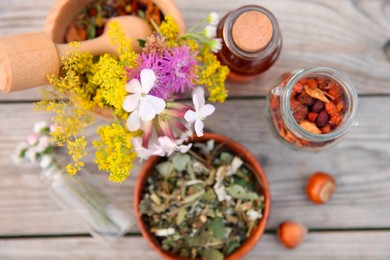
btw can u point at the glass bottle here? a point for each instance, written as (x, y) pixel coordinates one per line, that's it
(86, 198)
(251, 41)
(284, 119)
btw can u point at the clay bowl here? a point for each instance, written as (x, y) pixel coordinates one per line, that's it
(235, 148)
(63, 12)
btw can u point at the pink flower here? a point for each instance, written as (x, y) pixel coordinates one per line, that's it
(178, 68)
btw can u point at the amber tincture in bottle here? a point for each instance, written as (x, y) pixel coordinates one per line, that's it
(251, 41)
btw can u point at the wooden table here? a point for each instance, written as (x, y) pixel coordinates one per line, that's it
(349, 35)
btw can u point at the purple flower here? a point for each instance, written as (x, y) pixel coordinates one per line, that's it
(151, 61)
(178, 68)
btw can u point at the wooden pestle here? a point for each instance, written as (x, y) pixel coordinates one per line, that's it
(27, 59)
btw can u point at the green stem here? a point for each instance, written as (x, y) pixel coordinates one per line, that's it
(197, 25)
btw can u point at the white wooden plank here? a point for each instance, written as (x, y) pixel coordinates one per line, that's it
(348, 35)
(324, 245)
(359, 163)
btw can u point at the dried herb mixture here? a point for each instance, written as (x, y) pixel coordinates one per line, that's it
(204, 203)
(90, 22)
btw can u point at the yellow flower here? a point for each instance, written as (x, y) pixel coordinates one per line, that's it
(212, 74)
(115, 152)
(169, 29)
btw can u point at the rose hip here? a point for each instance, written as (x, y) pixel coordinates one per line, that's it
(322, 119)
(318, 106)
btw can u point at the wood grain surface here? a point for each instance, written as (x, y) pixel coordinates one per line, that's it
(349, 35)
(318, 245)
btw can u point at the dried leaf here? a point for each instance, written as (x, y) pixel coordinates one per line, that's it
(194, 197)
(210, 195)
(316, 93)
(180, 161)
(212, 254)
(238, 192)
(310, 127)
(231, 246)
(181, 215)
(216, 227)
(226, 157)
(165, 168)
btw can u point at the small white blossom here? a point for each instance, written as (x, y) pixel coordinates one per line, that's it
(253, 214)
(210, 31)
(164, 232)
(219, 188)
(213, 18)
(166, 146)
(215, 44)
(141, 105)
(201, 111)
(32, 139)
(31, 155)
(45, 161)
(39, 126)
(42, 145)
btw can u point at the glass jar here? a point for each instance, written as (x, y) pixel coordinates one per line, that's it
(312, 108)
(251, 41)
(86, 198)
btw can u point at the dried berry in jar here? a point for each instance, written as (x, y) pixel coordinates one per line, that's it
(312, 108)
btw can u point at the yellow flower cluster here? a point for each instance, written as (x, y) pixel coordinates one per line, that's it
(77, 151)
(118, 38)
(111, 78)
(73, 115)
(213, 75)
(115, 152)
(169, 29)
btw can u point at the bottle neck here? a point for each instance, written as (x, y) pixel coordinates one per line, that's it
(350, 106)
(265, 27)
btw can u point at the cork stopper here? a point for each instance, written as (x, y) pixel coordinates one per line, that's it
(252, 31)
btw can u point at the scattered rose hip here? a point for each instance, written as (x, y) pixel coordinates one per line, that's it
(291, 234)
(320, 187)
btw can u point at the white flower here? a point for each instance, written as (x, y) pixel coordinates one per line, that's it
(32, 139)
(43, 143)
(141, 105)
(213, 18)
(164, 232)
(31, 155)
(253, 214)
(210, 31)
(141, 151)
(215, 45)
(39, 126)
(45, 161)
(52, 128)
(166, 146)
(201, 111)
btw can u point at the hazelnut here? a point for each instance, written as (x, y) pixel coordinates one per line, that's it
(320, 187)
(291, 234)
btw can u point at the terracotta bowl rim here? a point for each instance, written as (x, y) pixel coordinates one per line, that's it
(245, 155)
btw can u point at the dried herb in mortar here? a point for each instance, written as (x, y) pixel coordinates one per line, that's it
(202, 204)
(90, 22)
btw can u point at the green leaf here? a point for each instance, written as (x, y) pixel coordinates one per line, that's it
(210, 196)
(193, 197)
(216, 227)
(227, 158)
(181, 216)
(231, 246)
(180, 161)
(141, 42)
(238, 192)
(91, 31)
(212, 254)
(165, 168)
